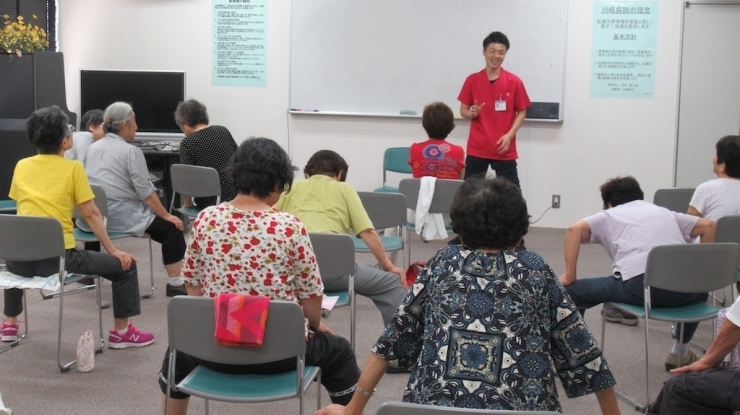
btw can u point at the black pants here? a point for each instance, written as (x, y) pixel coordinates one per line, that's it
(711, 392)
(505, 169)
(125, 283)
(333, 354)
(164, 232)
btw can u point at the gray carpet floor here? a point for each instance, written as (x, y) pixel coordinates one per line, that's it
(125, 381)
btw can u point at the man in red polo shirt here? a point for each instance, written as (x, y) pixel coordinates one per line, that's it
(495, 101)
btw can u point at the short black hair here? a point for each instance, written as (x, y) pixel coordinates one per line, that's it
(496, 37)
(46, 128)
(191, 113)
(620, 190)
(91, 118)
(328, 163)
(438, 120)
(259, 167)
(489, 213)
(728, 152)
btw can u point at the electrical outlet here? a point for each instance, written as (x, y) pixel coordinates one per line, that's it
(556, 201)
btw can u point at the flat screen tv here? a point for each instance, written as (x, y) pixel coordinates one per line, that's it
(154, 95)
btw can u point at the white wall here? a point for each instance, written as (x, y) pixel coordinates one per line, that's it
(600, 138)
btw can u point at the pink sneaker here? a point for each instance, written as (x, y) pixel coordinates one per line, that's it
(132, 338)
(9, 332)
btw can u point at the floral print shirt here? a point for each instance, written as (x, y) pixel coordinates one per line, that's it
(485, 331)
(257, 253)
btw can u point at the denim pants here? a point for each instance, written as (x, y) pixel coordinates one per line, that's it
(590, 292)
(125, 283)
(505, 169)
(711, 392)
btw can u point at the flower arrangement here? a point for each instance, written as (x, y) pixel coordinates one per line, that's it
(18, 37)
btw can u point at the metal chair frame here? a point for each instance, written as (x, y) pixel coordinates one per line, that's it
(335, 255)
(194, 181)
(32, 238)
(82, 236)
(386, 210)
(395, 159)
(675, 268)
(190, 328)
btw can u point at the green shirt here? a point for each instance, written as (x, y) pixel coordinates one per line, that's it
(325, 205)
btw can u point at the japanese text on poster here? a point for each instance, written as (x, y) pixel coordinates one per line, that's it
(239, 43)
(625, 37)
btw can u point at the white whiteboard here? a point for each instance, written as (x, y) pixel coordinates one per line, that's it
(387, 56)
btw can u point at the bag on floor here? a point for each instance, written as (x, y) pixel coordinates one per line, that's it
(86, 352)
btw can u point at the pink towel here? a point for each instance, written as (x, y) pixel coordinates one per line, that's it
(240, 319)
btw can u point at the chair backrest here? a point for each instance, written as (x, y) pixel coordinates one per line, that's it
(335, 254)
(195, 181)
(728, 229)
(30, 238)
(100, 202)
(444, 192)
(693, 268)
(191, 326)
(676, 200)
(385, 210)
(396, 159)
(404, 408)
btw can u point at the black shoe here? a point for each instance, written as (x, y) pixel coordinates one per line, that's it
(87, 281)
(176, 290)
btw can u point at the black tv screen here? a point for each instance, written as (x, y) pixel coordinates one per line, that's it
(154, 95)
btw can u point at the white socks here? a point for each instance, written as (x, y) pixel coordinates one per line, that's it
(175, 281)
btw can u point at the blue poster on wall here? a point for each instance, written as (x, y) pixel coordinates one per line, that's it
(239, 56)
(625, 39)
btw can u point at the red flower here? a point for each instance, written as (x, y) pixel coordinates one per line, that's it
(226, 248)
(271, 230)
(288, 232)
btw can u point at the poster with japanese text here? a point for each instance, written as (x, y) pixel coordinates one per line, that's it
(625, 39)
(239, 43)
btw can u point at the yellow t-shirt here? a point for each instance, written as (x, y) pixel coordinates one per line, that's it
(325, 205)
(50, 185)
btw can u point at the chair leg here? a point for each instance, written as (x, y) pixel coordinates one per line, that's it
(63, 367)
(318, 391)
(98, 294)
(206, 407)
(352, 311)
(647, 364)
(151, 270)
(17, 341)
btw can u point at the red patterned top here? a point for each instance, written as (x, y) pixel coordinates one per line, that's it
(257, 253)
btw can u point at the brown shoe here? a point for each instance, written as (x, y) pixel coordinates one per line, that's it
(674, 361)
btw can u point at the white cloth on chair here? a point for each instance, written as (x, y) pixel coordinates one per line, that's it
(10, 280)
(429, 226)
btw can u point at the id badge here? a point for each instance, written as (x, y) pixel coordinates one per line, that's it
(500, 105)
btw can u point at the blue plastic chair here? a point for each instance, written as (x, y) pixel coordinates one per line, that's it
(685, 268)
(386, 210)
(7, 206)
(194, 181)
(395, 159)
(190, 328)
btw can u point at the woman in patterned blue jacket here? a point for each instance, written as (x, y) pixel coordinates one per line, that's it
(483, 326)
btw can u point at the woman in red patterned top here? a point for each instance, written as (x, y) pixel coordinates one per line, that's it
(246, 246)
(436, 157)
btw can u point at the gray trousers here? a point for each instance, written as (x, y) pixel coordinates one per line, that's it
(384, 288)
(125, 283)
(711, 392)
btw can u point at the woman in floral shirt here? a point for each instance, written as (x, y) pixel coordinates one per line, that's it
(245, 246)
(483, 326)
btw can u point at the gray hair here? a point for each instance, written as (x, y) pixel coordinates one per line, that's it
(191, 113)
(115, 115)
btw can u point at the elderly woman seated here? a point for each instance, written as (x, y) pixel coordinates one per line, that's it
(246, 246)
(483, 326)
